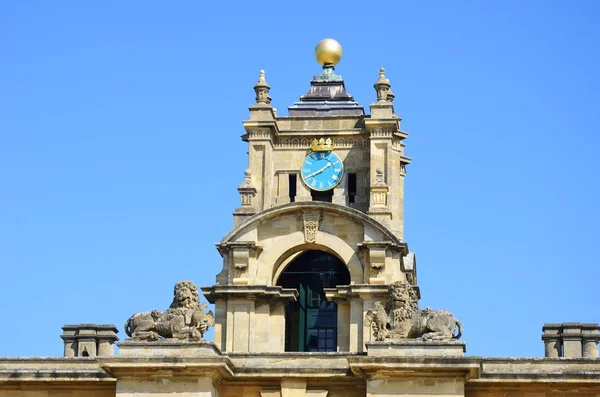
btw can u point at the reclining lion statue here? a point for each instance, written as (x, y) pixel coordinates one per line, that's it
(401, 318)
(185, 319)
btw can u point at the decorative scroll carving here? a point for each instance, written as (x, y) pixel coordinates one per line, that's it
(401, 318)
(185, 319)
(310, 223)
(376, 260)
(240, 262)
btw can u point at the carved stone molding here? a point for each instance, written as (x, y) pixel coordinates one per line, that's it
(260, 133)
(349, 142)
(382, 132)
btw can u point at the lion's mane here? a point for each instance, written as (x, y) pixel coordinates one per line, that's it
(410, 305)
(189, 285)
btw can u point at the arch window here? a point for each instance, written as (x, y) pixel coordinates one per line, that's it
(311, 321)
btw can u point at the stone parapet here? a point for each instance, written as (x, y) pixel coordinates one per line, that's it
(571, 340)
(167, 348)
(89, 340)
(416, 348)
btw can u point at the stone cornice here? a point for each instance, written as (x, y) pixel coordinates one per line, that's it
(217, 368)
(254, 248)
(480, 373)
(248, 292)
(364, 291)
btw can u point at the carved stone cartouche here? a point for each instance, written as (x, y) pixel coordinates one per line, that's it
(401, 318)
(185, 319)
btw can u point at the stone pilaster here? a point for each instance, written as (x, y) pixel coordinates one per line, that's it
(260, 132)
(381, 128)
(254, 319)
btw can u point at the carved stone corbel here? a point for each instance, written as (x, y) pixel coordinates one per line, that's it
(240, 253)
(375, 254)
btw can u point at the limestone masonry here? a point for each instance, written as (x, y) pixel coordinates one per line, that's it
(318, 293)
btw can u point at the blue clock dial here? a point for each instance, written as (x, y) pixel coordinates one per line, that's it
(322, 170)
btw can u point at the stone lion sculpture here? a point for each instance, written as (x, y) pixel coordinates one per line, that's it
(401, 318)
(185, 319)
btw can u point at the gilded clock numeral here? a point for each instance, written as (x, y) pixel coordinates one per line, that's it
(329, 182)
(314, 156)
(313, 183)
(334, 177)
(320, 185)
(337, 169)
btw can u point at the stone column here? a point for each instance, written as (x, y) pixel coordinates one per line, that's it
(551, 338)
(590, 338)
(69, 338)
(106, 336)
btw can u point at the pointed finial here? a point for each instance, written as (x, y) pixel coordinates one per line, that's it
(247, 189)
(382, 86)
(262, 89)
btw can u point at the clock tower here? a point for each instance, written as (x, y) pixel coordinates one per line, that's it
(318, 237)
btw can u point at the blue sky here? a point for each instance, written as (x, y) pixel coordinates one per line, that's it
(120, 151)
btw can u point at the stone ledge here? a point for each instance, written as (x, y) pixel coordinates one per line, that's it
(167, 348)
(416, 348)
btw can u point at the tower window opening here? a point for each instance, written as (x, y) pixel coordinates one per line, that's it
(327, 195)
(292, 187)
(351, 188)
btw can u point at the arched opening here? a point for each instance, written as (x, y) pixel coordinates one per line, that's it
(311, 321)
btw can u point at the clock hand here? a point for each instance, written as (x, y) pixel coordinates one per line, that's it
(319, 171)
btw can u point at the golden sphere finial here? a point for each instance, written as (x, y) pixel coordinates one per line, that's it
(328, 52)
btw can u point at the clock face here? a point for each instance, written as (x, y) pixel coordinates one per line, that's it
(322, 170)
